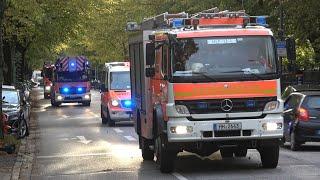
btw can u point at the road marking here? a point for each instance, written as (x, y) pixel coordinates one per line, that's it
(117, 130)
(93, 114)
(83, 140)
(179, 176)
(74, 155)
(65, 116)
(130, 138)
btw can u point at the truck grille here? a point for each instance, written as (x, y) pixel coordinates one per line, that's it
(238, 105)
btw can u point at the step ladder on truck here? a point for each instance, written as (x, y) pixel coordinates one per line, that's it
(203, 83)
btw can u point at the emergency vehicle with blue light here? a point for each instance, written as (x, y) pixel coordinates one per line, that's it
(116, 93)
(203, 83)
(71, 83)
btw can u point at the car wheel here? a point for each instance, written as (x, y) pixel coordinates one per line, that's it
(294, 145)
(226, 152)
(103, 118)
(23, 128)
(241, 152)
(269, 156)
(165, 157)
(147, 153)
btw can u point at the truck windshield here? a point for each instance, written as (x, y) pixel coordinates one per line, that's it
(224, 56)
(120, 80)
(77, 76)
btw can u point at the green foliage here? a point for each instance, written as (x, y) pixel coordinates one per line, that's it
(96, 28)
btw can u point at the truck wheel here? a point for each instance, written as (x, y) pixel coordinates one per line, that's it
(165, 157)
(147, 153)
(269, 156)
(241, 152)
(294, 145)
(226, 152)
(103, 118)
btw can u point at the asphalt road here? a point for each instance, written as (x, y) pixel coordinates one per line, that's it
(73, 144)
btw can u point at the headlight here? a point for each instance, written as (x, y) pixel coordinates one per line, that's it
(48, 88)
(181, 129)
(86, 96)
(59, 98)
(182, 109)
(115, 103)
(270, 106)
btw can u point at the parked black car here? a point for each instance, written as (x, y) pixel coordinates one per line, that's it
(17, 109)
(301, 117)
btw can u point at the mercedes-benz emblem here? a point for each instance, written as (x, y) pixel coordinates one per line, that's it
(226, 105)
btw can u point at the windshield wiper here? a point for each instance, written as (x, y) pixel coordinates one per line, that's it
(245, 72)
(205, 75)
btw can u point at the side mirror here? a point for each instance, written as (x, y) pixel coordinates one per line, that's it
(150, 72)
(150, 54)
(103, 88)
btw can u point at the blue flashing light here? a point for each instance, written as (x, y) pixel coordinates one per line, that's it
(261, 20)
(80, 89)
(127, 103)
(72, 64)
(65, 90)
(177, 23)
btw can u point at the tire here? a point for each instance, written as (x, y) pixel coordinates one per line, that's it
(104, 120)
(241, 152)
(269, 156)
(165, 157)
(226, 152)
(147, 153)
(22, 129)
(294, 145)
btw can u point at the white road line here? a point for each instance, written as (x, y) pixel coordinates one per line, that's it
(130, 138)
(117, 130)
(93, 114)
(179, 176)
(74, 155)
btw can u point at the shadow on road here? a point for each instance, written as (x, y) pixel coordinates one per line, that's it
(305, 147)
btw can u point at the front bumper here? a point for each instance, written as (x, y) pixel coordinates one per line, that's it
(69, 98)
(120, 115)
(203, 130)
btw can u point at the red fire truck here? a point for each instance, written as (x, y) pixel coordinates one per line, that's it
(47, 73)
(71, 81)
(116, 93)
(203, 83)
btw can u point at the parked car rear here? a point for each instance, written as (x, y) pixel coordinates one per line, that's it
(302, 118)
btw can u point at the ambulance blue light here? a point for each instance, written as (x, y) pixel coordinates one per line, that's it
(177, 23)
(65, 90)
(127, 103)
(72, 64)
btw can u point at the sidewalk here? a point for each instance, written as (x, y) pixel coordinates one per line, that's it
(7, 162)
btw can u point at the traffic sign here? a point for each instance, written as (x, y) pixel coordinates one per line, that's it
(281, 49)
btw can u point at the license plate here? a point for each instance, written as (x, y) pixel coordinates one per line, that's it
(227, 126)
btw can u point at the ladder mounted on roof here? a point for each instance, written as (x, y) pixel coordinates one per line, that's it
(207, 18)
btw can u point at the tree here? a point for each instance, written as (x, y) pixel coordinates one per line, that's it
(2, 5)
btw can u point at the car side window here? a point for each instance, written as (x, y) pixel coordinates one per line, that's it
(293, 101)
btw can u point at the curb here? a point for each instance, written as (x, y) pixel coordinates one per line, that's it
(17, 165)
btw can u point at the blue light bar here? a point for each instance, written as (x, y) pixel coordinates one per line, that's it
(261, 20)
(80, 89)
(65, 90)
(127, 103)
(177, 23)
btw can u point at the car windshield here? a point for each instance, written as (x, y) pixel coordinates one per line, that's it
(10, 96)
(48, 73)
(224, 56)
(77, 76)
(313, 102)
(120, 80)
